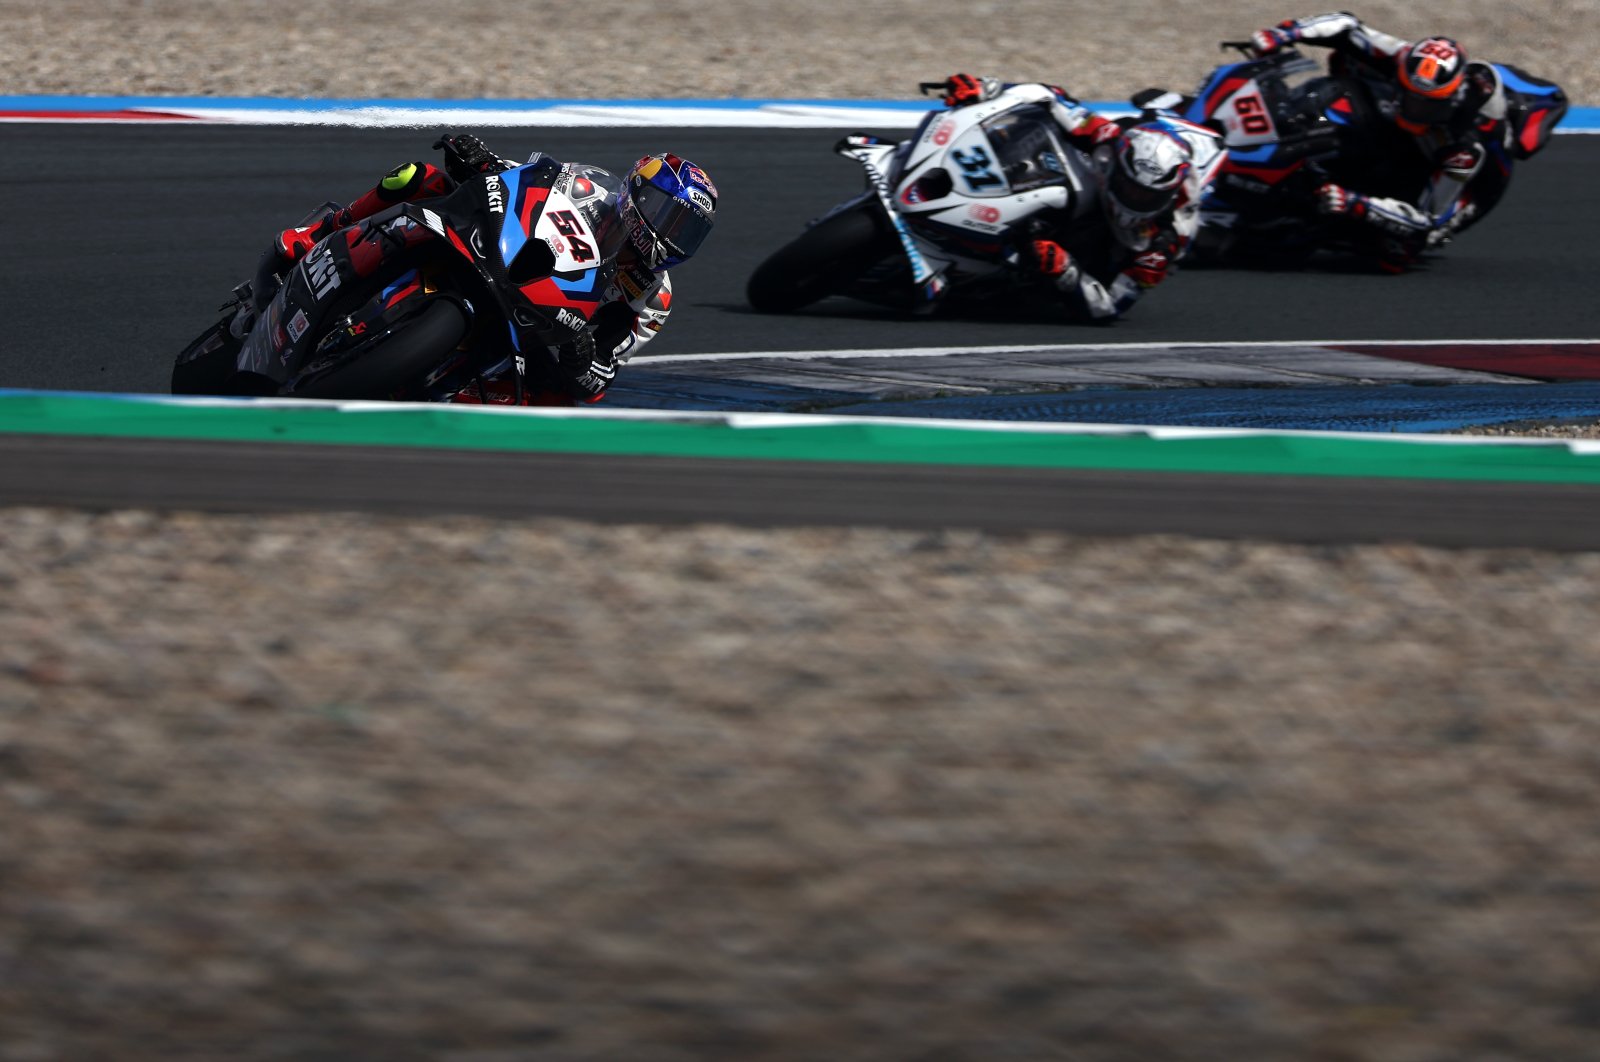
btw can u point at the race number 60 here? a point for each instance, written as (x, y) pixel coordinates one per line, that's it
(1252, 115)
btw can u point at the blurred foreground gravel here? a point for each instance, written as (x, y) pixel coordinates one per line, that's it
(346, 787)
(349, 788)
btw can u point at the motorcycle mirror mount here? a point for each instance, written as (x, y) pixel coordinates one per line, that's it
(1154, 99)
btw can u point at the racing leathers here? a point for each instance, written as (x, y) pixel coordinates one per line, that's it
(1448, 159)
(636, 303)
(1100, 263)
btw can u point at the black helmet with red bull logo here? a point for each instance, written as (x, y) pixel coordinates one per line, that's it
(669, 207)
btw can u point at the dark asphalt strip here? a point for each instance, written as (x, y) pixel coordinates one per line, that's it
(281, 477)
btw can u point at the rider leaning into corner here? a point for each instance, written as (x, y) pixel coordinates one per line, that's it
(1455, 112)
(1152, 175)
(666, 205)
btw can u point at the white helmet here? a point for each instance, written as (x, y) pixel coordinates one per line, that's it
(1144, 175)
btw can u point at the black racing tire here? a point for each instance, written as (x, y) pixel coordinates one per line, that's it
(821, 261)
(421, 344)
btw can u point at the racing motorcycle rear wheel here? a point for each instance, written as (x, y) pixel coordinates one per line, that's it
(821, 261)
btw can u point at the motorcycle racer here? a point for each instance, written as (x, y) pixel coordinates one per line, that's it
(1452, 130)
(1152, 174)
(652, 219)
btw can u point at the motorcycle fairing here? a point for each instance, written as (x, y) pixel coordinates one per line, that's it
(956, 156)
(568, 276)
(876, 157)
(316, 287)
(1244, 100)
(957, 192)
(1534, 107)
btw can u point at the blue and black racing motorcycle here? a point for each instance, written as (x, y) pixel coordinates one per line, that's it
(1291, 128)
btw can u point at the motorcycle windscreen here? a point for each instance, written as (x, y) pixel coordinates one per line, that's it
(678, 224)
(610, 231)
(1025, 145)
(1137, 199)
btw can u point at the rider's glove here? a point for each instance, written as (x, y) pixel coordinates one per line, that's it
(1050, 258)
(1341, 202)
(962, 89)
(588, 371)
(466, 156)
(1052, 262)
(1149, 269)
(1266, 41)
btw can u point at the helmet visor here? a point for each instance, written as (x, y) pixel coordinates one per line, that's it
(1426, 110)
(677, 224)
(1138, 199)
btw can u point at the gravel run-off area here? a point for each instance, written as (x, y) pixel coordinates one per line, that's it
(338, 786)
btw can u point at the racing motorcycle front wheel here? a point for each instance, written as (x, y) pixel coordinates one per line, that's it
(420, 343)
(821, 261)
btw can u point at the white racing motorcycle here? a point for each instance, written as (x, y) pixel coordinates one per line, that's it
(943, 215)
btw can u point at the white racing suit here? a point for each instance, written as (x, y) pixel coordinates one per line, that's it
(1121, 257)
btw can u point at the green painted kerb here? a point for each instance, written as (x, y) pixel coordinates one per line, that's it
(865, 442)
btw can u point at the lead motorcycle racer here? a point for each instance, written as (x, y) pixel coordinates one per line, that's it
(1152, 173)
(1417, 114)
(652, 219)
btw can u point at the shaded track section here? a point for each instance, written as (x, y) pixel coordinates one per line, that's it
(276, 477)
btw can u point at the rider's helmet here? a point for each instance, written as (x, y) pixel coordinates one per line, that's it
(1144, 175)
(1432, 73)
(669, 206)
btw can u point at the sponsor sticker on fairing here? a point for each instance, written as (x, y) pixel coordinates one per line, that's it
(298, 325)
(323, 272)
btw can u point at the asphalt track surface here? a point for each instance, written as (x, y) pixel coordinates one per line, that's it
(121, 241)
(272, 477)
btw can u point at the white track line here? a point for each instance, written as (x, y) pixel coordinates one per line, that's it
(1042, 348)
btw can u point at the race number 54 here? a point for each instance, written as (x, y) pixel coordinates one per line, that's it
(570, 227)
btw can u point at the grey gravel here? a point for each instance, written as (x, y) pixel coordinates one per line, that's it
(335, 787)
(608, 48)
(341, 786)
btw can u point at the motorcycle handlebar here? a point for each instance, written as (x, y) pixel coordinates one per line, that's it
(932, 86)
(1247, 48)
